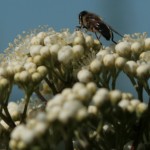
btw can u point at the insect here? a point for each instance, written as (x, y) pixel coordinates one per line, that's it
(94, 23)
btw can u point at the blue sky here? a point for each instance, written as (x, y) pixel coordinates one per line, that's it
(126, 16)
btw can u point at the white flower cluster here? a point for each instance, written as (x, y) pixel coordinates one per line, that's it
(23, 136)
(131, 55)
(68, 106)
(46, 61)
(72, 106)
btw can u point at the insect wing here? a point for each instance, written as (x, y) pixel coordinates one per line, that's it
(112, 29)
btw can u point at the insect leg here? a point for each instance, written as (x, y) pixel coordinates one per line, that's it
(112, 38)
(78, 28)
(98, 37)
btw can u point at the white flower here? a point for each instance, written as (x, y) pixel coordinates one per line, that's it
(145, 56)
(109, 60)
(54, 49)
(79, 39)
(147, 43)
(141, 108)
(102, 53)
(45, 51)
(78, 50)
(29, 65)
(65, 54)
(91, 87)
(130, 67)
(124, 103)
(89, 41)
(84, 76)
(4, 83)
(24, 76)
(137, 47)
(100, 97)
(96, 65)
(143, 71)
(120, 62)
(115, 96)
(92, 110)
(35, 50)
(36, 41)
(13, 110)
(39, 129)
(123, 49)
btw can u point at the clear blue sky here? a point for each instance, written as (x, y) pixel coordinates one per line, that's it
(126, 16)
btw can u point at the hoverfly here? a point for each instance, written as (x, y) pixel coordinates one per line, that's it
(94, 23)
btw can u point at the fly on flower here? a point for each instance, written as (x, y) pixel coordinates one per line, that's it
(94, 23)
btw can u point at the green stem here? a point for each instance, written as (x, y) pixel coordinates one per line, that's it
(27, 98)
(140, 91)
(42, 98)
(51, 85)
(11, 122)
(138, 87)
(114, 78)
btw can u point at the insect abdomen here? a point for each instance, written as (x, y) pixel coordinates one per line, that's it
(104, 30)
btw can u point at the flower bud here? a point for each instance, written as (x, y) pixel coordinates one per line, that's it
(120, 62)
(92, 110)
(96, 66)
(84, 76)
(96, 45)
(123, 49)
(141, 108)
(36, 41)
(124, 103)
(42, 70)
(18, 68)
(47, 41)
(45, 52)
(91, 86)
(4, 83)
(109, 60)
(78, 50)
(3, 71)
(36, 77)
(29, 65)
(142, 71)
(83, 94)
(89, 41)
(101, 97)
(102, 53)
(38, 60)
(65, 54)
(145, 56)
(115, 96)
(77, 86)
(41, 35)
(35, 50)
(54, 49)
(147, 43)
(17, 77)
(24, 76)
(81, 114)
(130, 67)
(137, 47)
(10, 70)
(13, 110)
(79, 40)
